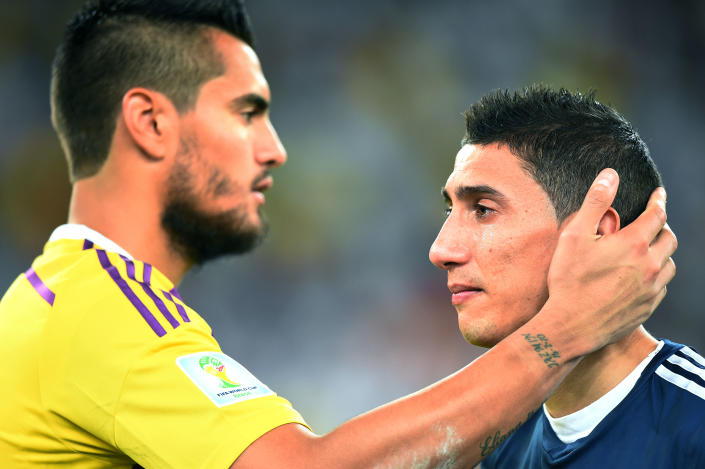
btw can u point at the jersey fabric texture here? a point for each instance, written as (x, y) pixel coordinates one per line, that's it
(659, 424)
(103, 365)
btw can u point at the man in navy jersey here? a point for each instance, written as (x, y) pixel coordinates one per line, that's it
(526, 158)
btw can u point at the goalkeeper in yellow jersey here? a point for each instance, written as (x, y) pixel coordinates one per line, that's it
(162, 112)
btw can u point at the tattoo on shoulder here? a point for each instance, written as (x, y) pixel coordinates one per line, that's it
(543, 347)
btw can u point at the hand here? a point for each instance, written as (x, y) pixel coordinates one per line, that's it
(611, 283)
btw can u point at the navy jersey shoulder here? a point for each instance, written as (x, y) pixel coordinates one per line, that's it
(660, 424)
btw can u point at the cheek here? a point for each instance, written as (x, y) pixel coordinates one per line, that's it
(520, 264)
(224, 144)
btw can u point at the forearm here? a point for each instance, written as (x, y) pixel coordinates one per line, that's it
(461, 419)
(453, 423)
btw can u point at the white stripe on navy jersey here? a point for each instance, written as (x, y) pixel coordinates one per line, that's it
(693, 354)
(687, 365)
(681, 381)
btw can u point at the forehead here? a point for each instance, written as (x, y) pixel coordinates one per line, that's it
(243, 72)
(497, 167)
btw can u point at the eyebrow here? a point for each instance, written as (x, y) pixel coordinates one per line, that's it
(254, 100)
(467, 192)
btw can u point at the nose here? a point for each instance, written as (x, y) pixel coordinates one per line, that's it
(269, 151)
(451, 248)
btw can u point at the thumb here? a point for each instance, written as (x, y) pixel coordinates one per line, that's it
(597, 200)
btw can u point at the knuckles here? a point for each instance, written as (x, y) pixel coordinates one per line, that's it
(640, 247)
(652, 270)
(674, 239)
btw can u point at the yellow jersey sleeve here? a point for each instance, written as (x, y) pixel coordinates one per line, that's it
(116, 369)
(186, 404)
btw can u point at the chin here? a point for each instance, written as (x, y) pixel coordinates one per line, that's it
(257, 218)
(484, 341)
(257, 223)
(488, 330)
(482, 332)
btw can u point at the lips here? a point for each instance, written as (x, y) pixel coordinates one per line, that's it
(461, 293)
(459, 288)
(262, 183)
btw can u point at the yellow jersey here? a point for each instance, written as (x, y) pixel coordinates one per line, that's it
(104, 365)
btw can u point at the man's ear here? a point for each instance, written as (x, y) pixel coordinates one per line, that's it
(151, 121)
(609, 223)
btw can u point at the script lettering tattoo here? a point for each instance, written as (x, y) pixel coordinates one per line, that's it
(540, 344)
(492, 442)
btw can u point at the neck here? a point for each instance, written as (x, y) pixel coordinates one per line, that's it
(599, 372)
(129, 216)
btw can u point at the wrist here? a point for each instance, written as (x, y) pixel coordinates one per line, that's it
(551, 330)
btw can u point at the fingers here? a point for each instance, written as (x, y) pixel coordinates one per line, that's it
(665, 243)
(652, 220)
(597, 200)
(668, 271)
(665, 275)
(657, 301)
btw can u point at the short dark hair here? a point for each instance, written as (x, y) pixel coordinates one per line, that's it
(564, 139)
(111, 46)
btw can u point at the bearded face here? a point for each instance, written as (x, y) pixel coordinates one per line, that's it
(197, 233)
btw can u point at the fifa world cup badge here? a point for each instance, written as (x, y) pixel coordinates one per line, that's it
(221, 378)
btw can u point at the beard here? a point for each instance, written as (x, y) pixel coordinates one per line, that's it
(199, 236)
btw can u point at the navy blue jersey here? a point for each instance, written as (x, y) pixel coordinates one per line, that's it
(659, 424)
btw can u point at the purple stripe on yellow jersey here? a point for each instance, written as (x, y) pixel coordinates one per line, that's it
(146, 277)
(127, 291)
(39, 286)
(160, 305)
(130, 265)
(100, 390)
(175, 293)
(179, 307)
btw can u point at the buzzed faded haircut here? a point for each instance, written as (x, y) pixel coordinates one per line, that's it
(564, 140)
(111, 46)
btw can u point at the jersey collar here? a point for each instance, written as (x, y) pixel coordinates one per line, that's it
(581, 423)
(76, 231)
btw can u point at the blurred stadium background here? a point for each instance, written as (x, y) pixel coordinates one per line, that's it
(340, 310)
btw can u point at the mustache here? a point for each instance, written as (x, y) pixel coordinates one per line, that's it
(262, 176)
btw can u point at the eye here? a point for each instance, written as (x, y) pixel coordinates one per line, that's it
(248, 115)
(447, 210)
(482, 211)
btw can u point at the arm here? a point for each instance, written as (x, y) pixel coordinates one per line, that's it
(614, 283)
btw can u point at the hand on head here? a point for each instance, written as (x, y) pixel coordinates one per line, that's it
(612, 282)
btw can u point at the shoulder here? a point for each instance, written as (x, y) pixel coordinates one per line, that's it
(111, 312)
(682, 371)
(678, 387)
(106, 292)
